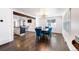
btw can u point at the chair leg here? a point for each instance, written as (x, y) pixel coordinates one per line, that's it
(49, 36)
(37, 39)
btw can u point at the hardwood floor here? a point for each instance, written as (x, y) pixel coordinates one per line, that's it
(28, 43)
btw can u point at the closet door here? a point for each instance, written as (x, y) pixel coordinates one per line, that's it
(6, 34)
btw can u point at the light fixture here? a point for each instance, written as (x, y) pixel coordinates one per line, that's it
(43, 12)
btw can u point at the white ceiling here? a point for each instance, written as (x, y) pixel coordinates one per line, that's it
(36, 11)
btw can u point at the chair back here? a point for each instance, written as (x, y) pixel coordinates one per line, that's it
(50, 30)
(38, 31)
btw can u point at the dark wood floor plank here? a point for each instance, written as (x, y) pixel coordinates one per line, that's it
(28, 43)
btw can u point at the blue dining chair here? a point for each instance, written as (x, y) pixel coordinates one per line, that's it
(38, 34)
(49, 32)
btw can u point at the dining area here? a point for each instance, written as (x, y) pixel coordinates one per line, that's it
(43, 32)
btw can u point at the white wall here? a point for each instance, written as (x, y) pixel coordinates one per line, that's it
(58, 25)
(58, 28)
(16, 19)
(75, 21)
(74, 28)
(43, 21)
(37, 21)
(31, 25)
(6, 27)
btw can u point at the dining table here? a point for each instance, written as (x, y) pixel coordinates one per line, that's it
(44, 31)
